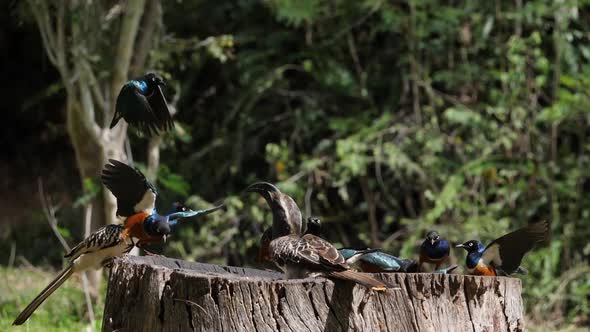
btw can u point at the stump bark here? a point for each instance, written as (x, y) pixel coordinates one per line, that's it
(162, 294)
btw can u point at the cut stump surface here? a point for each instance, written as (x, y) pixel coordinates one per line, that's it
(162, 294)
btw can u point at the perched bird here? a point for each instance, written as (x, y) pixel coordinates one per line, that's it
(503, 255)
(107, 242)
(434, 250)
(370, 260)
(142, 104)
(136, 199)
(313, 226)
(301, 256)
(378, 262)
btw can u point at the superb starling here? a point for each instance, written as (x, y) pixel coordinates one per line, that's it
(136, 199)
(434, 250)
(503, 255)
(142, 104)
(370, 260)
(379, 262)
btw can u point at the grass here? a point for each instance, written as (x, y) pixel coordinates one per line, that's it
(65, 310)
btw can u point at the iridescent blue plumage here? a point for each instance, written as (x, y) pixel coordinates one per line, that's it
(379, 261)
(175, 217)
(141, 85)
(504, 255)
(434, 250)
(177, 212)
(136, 201)
(437, 251)
(474, 255)
(370, 260)
(142, 104)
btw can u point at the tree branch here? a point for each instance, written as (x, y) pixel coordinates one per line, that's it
(153, 11)
(49, 212)
(370, 199)
(41, 14)
(129, 28)
(87, 114)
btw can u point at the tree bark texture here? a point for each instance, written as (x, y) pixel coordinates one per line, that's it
(161, 294)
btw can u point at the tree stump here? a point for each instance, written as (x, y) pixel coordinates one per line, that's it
(162, 294)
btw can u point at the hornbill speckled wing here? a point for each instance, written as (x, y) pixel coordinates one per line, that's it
(301, 256)
(143, 105)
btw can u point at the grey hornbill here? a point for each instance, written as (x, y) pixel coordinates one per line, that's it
(304, 255)
(313, 226)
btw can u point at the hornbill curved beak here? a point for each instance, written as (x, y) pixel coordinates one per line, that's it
(286, 214)
(260, 187)
(265, 189)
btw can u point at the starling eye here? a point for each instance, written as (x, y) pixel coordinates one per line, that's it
(471, 244)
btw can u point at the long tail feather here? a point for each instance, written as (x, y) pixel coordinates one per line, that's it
(58, 281)
(363, 279)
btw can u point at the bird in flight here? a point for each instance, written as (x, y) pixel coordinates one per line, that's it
(143, 105)
(136, 202)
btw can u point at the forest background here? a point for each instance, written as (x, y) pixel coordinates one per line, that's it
(386, 119)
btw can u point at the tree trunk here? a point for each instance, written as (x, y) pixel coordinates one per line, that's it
(161, 294)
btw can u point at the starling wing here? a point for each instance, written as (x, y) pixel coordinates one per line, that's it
(133, 191)
(160, 110)
(134, 107)
(507, 251)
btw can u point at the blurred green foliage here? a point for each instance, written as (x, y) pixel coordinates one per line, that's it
(467, 117)
(61, 312)
(385, 119)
